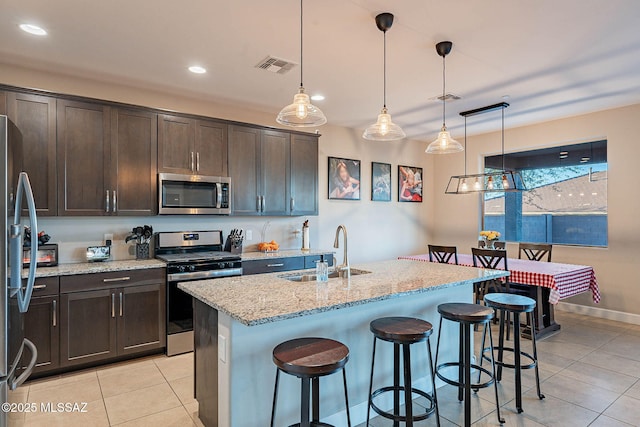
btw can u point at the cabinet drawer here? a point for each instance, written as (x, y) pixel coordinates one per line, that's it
(44, 286)
(310, 260)
(272, 265)
(88, 282)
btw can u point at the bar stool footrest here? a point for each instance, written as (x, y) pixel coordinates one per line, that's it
(509, 365)
(474, 386)
(402, 418)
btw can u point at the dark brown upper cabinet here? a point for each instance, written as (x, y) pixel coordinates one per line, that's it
(188, 146)
(83, 158)
(3, 103)
(304, 175)
(134, 177)
(259, 170)
(34, 117)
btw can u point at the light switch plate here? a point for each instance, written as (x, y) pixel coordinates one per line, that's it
(249, 235)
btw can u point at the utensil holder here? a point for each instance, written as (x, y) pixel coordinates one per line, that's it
(142, 251)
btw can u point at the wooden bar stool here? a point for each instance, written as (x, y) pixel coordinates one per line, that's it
(515, 304)
(309, 359)
(467, 316)
(402, 332)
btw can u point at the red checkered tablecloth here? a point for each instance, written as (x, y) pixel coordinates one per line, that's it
(564, 280)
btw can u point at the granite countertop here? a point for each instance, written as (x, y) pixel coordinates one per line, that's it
(258, 299)
(290, 253)
(95, 267)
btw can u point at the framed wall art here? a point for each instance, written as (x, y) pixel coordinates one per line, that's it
(380, 182)
(344, 179)
(409, 184)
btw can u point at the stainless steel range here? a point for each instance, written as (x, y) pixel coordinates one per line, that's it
(190, 255)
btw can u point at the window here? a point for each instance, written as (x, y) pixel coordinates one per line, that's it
(566, 198)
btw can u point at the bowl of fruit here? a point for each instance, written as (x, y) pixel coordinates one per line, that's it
(268, 247)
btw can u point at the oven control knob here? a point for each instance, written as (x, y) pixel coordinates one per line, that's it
(192, 268)
(181, 268)
(221, 265)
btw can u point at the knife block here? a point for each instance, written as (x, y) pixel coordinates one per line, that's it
(235, 247)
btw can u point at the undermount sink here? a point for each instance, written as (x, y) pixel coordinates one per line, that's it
(311, 277)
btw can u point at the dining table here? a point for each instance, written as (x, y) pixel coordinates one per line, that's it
(548, 282)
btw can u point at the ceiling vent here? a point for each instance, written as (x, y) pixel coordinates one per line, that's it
(276, 65)
(449, 97)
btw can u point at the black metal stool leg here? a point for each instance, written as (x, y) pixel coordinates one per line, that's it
(495, 383)
(408, 401)
(275, 398)
(484, 337)
(433, 384)
(304, 402)
(461, 357)
(315, 399)
(502, 314)
(517, 357)
(467, 374)
(373, 360)
(535, 354)
(396, 383)
(346, 396)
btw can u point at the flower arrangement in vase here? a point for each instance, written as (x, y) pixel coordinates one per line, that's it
(490, 237)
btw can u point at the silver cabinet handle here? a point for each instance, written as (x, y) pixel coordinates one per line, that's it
(198, 161)
(116, 279)
(121, 304)
(115, 203)
(113, 305)
(258, 204)
(55, 314)
(192, 163)
(262, 204)
(39, 287)
(107, 202)
(275, 265)
(293, 204)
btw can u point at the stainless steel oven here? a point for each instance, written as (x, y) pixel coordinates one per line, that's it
(190, 255)
(193, 194)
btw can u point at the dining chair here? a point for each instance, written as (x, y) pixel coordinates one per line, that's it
(535, 251)
(494, 259)
(443, 254)
(497, 245)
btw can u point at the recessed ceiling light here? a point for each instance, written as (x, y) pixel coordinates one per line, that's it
(197, 69)
(506, 97)
(33, 29)
(317, 97)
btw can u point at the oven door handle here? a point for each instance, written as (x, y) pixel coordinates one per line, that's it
(201, 275)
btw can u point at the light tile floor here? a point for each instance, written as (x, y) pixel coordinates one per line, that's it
(590, 373)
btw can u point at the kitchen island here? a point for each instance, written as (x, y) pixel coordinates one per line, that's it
(239, 320)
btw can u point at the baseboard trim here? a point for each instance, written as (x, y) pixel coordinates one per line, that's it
(618, 316)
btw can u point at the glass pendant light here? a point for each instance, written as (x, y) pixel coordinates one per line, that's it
(384, 129)
(301, 113)
(444, 143)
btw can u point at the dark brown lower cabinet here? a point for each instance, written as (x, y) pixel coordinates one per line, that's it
(88, 323)
(109, 322)
(41, 327)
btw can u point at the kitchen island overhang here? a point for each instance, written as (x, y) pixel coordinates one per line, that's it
(238, 321)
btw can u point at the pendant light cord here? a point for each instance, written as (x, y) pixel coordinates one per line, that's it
(301, 28)
(444, 85)
(384, 70)
(503, 169)
(465, 145)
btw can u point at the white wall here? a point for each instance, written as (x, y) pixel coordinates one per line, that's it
(376, 230)
(458, 216)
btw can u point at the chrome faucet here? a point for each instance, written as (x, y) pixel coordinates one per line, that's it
(343, 269)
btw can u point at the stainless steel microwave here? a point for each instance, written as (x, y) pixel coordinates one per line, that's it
(193, 194)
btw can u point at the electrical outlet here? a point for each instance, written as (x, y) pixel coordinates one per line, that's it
(108, 236)
(249, 235)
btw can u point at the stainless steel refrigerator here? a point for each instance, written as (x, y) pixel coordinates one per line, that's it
(15, 293)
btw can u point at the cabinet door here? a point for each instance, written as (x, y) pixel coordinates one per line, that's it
(211, 148)
(244, 170)
(304, 175)
(274, 165)
(3, 103)
(176, 152)
(83, 158)
(141, 318)
(35, 119)
(87, 327)
(134, 166)
(272, 265)
(41, 327)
